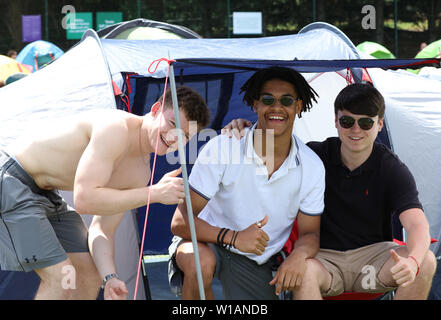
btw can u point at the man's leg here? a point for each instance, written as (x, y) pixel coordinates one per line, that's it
(88, 280)
(420, 287)
(51, 282)
(74, 278)
(316, 279)
(185, 262)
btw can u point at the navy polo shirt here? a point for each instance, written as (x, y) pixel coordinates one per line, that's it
(359, 204)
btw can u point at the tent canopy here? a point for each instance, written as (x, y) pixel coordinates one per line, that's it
(39, 53)
(9, 66)
(377, 50)
(217, 68)
(143, 29)
(432, 50)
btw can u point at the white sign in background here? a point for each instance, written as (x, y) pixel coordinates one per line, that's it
(247, 22)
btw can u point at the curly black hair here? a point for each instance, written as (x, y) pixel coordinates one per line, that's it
(253, 86)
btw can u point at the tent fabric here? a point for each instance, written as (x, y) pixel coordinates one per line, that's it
(81, 80)
(9, 66)
(142, 29)
(60, 89)
(414, 120)
(377, 50)
(433, 50)
(196, 66)
(39, 53)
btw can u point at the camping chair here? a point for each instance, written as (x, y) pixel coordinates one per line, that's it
(289, 245)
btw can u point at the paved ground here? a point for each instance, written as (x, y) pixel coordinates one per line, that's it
(158, 282)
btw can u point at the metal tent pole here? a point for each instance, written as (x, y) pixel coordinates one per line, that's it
(186, 186)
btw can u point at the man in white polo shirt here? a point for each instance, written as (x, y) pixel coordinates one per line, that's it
(246, 195)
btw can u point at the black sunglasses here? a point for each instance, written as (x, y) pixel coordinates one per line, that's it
(270, 100)
(364, 123)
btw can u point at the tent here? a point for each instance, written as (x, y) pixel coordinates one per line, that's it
(376, 50)
(433, 50)
(217, 68)
(39, 53)
(10, 66)
(143, 29)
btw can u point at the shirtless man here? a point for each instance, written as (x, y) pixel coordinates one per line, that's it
(103, 156)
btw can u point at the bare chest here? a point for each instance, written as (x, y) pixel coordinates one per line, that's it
(130, 172)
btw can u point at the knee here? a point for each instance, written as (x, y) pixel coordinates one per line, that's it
(186, 262)
(316, 275)
(88, 281)
(313, 269)
(428, 266)
(91, 279)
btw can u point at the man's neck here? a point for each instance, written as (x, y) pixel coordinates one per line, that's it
(353, 160)
(143, 136)
(272, 150)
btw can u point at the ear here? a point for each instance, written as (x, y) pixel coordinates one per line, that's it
(335, 120)
(380, 124)
(155, 108)
(299, 106)
(255, 105)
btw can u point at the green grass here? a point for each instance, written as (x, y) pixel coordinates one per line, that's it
(407, 26)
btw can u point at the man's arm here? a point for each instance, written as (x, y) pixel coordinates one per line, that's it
(92, 195)
(252, 239)
(418, 242)
(236, 127)
(290, 273)
(418, 234)
(101, 245)
(180, 224)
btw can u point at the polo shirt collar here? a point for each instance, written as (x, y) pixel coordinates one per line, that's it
(293, 157)
(335, 156)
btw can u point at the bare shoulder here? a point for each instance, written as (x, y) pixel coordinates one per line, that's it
(115, 125)
(108, 118)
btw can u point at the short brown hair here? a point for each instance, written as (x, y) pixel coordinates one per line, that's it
(362, 99)
(192, 103)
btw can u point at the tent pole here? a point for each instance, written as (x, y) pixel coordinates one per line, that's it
(186, 186)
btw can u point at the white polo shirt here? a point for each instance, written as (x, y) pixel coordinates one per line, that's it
(234, 179)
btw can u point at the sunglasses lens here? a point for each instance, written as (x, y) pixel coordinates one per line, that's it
(365, 123)
(346, 121)
(268, 100)
(286, 101)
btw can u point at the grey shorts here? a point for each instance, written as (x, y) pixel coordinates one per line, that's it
(241, 277)
(37, 227)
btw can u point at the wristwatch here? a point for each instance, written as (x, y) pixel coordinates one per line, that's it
(108, 277)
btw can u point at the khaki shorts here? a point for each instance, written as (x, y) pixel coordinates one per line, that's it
(356, 270)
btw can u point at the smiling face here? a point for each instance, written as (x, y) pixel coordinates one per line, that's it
(277, 116)
(168, 133)
(355, 139)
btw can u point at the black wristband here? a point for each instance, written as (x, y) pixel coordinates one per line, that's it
(219, 236)
(234, 240)
(222, 244)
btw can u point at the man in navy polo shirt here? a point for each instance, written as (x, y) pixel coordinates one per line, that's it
(365, 185)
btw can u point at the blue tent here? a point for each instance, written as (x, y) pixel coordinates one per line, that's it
(39, 53)
(217, 68)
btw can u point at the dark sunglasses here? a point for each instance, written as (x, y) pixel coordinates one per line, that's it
(364, 123)
(270, 100)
